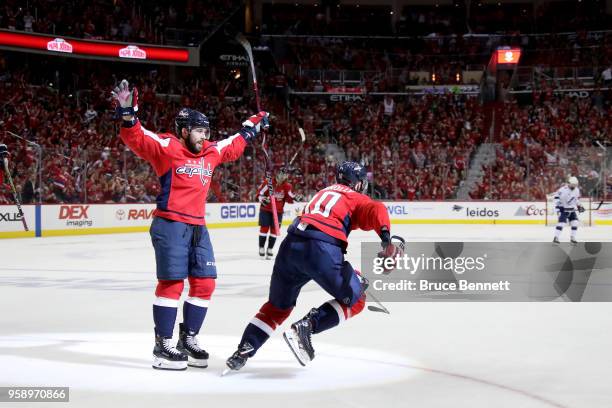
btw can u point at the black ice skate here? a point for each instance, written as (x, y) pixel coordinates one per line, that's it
(298, 338)
(262, 252)
(556, 240)
(188, 344)
(239, 358)
(573, 241)
(167, 357)
(269, 253)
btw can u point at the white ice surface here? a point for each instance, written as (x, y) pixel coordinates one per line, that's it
(76, 311)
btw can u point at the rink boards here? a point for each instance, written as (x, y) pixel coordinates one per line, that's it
(78, 219)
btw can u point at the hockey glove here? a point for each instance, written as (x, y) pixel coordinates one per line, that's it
(559, 209)
(265, 200)
(392, 251)
(3, 151)
(581, 209)
(127, 101)
(253, 125)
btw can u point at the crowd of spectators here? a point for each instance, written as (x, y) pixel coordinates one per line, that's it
(387, 64)
(146, 21)
(416, 147)
(457, 17)
(541, 144)
(116, 20)
(421, 150)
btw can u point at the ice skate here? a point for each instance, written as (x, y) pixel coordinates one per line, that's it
(269, 253)
(188, 345)
(262, 252)
(556, 240)
(167, 357)
(573, 241)
(298, 338)
(239, 358)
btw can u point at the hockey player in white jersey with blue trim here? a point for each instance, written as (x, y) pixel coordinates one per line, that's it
(567, 203)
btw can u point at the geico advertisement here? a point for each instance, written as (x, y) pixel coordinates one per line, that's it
(244, 212)
(11, 220)
(231, 212)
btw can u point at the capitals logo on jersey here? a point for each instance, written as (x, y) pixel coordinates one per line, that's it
(193, 167)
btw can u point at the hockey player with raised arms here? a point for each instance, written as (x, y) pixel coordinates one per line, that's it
(184, 164)
(567, 202)
(314, 250)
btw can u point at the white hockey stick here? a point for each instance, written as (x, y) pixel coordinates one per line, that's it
(303, 139)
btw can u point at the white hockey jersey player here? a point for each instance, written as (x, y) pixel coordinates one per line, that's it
(567, 203)
(567, 199)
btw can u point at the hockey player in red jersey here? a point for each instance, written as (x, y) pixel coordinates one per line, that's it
(314, 250)
(184, 164)
(284, 194)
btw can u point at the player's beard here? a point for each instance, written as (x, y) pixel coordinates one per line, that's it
(194, 147)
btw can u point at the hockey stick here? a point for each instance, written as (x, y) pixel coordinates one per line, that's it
(15, 196)
(380, 308)
(602, 202)
(401, 244)
(303, 139)
(267, 161)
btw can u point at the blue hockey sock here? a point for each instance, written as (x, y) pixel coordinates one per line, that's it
(324, 318)
(164, 318)
(194, 312)
(255, 336)
(271, 241)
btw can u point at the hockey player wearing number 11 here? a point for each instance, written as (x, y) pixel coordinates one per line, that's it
(567, 202)
(314, 249)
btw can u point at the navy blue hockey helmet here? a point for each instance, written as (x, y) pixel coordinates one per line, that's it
(190, 119)
(352, 174)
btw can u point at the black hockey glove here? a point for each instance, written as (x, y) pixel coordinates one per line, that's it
(581, 209)
(3, 151)
(253, 125)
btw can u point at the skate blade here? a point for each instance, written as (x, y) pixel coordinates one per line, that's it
(194, 362)
(226, 371)
(162, 364)
(294, 347)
